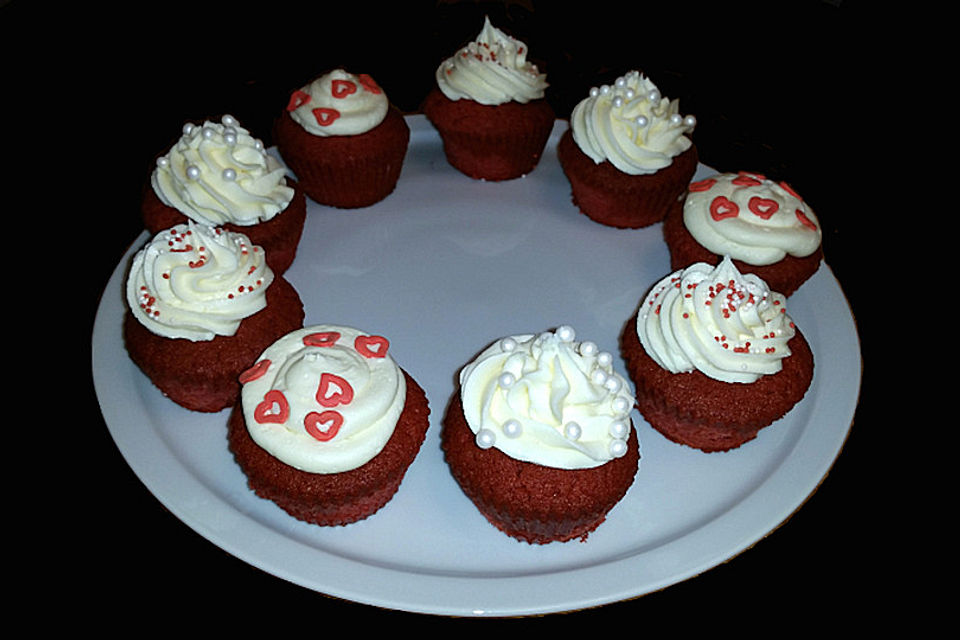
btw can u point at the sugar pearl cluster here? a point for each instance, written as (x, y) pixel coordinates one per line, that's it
(625, 98)
(228, 134)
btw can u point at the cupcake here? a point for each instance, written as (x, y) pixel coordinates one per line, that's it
(217, 174)
(715, 357)
(327, 424)
(627, 153)
(540, 437)
(764, 226)
(343, 140)
(202, 304)
(489, 108)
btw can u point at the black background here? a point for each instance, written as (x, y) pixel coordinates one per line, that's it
(774, 86)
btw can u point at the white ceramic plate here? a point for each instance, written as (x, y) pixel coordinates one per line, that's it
(444, 266)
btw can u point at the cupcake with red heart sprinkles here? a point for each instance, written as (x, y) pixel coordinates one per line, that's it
(540, 437)
(343, 139)
(327, 424)
(489, 108)
(218, 174)
(714, 356)
(202, 303)
(628, 153)
(763, 225)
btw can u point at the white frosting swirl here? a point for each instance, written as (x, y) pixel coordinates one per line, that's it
(324, 399)
(491, 70)
(631, 126)
(750, 218)
(217, 174)
(549, 400)
(727, 325)
(196, 282)
(339, 104)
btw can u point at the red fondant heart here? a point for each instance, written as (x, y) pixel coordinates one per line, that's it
(747, 180)
(763, 207)
(722, 207)
(805, 221)
(298, 99)
(368, 83)
(273, 408)
(371, 346)
(321, 339)
(333, 390)
(342, 88)
(325, 116)
(789, 189)
(323, 426)
(702, 185)
(254, 372)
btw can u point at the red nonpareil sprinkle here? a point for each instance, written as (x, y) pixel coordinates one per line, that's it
(770, 349)
(251, 269)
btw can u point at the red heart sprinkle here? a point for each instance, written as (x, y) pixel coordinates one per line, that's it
(368, 83)
(315, 421)
(254, 372)
(805, 221)
(763, 207)
(265, 411)
(703, 185)
(333, 390)
(371, 346)
(298, 99)
(325, 116)
(721, 208)
(321, 339)
(789, 189)
(342, 88)
(747, 180)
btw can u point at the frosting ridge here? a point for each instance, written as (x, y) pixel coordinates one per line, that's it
(548, 399)
(713, 319)
(217, 173)
(491, 70)
(750, 218)
(324, 399)
(339, 104)
(196, 282)
(631, 125)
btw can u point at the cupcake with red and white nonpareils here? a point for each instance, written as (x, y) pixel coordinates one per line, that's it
(328, 424)
(489, 108)
(715, 357)
(217, 174)
(628, 154)
(343, 140)
(763, 225)
(202, 303)
(540, 437)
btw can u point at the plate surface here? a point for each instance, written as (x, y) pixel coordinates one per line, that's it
(442, 267)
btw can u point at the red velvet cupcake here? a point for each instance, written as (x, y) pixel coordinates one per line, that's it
(343, 140)
(627, 154)
(202, 305)
(328, 424)
(714, 357)
(489, 108)
(541, 464)
(764, 226)
(218, 175)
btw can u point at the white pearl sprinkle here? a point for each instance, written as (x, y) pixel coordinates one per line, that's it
(630, 94)
(508, 344)
(163, 162)
(690, 121)
(605, 359)
(229, 174)
(621, 82)
(486, 438)
(622, 406)
(208, 133)
(572, 430)
(612, 384)
(619, 429)
(188, 128)
(506, 380)
(588, 348)
(594, 92)
(642, 121)
(604, 89)
(618, 448)
(566, 333)
(676, 119)
(228, 120)
(193, 172)
(653, 96)
(618, 101)
(599, 376)
(512, 428)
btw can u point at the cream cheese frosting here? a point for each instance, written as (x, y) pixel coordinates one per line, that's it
(197, 282)
(339, 103)
(750, 218)
(714, 319)
(324, 399)
(631, 125)
(217, 173)
(491, 70)
(548, 399)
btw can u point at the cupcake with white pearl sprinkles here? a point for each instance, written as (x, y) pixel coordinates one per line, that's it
(202, 303)
(328, 424)
(218, 174)
(540, 437)
(628, 153)
(343, 139)
(715, 357)
(489, 107)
